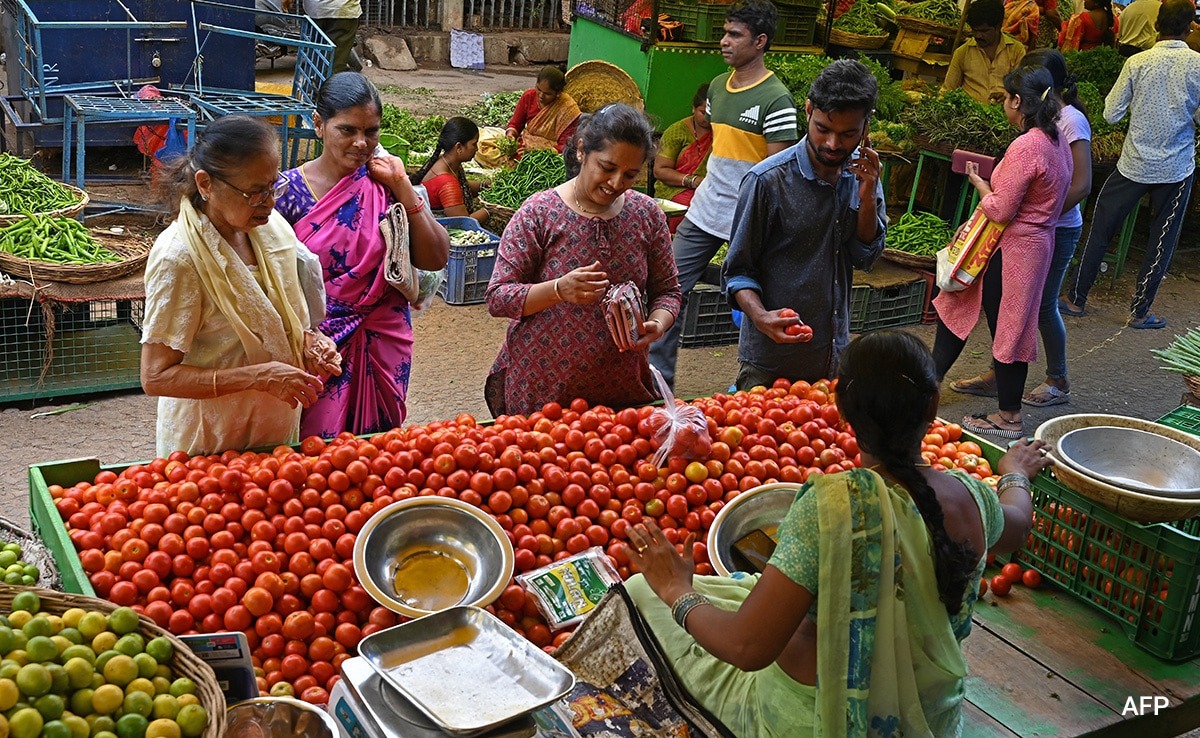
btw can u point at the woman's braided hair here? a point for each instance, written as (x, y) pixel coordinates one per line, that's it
(887, 385)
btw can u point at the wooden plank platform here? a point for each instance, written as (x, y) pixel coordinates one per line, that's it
(1044, 664)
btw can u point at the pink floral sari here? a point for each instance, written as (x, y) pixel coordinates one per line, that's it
(367, 317)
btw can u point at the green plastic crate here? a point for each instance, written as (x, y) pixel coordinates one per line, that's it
(1185, 418)
(873, 308)
(50, 526)
(797, 25)
(701, 21)
(1145, 576)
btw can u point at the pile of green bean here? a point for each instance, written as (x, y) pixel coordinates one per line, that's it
(24, 189)
(536, 171)
(54, 239)
(923, 234)
(945, 12)
(860, 19)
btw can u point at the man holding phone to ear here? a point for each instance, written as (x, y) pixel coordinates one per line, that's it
(805, 219)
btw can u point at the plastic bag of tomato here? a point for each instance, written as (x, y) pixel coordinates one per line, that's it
(262, 542)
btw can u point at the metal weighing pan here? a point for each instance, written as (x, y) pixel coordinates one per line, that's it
(466, 670)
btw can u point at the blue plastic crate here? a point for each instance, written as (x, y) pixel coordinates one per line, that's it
(470, 267)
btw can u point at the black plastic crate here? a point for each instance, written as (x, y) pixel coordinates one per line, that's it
(873, 308)
(797, 25)
(707, 319)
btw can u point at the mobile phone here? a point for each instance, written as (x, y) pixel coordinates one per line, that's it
(866, 139)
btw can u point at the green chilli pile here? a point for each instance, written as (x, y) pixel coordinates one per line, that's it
(923, 234)
(23, 189)
(537, 170)
(54, 239)
(945, 12)
(860, 19)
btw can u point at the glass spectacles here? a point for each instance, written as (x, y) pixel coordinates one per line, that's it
(261, 197)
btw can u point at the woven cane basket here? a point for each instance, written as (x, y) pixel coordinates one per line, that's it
(856, 40)
(131, 248)
(923, 26)
(498, 215)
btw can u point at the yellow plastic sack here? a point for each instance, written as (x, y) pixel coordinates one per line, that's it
(489, 155)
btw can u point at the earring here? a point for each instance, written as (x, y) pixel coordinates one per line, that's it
(204, 197)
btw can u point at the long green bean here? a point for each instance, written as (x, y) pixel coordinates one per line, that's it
(23, 189)
(537, 170)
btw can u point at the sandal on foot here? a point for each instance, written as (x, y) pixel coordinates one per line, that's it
(1045, 395)
(977, 386)
(1150, 321)
(981, 423)
(1065, 308)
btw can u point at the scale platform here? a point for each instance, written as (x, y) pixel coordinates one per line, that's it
(366, 707)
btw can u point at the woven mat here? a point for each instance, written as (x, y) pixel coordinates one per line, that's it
(886, 274)
(624, 688)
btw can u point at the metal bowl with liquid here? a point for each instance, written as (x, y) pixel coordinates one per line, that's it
(428, 554)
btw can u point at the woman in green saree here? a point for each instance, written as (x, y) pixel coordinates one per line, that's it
(882, 562)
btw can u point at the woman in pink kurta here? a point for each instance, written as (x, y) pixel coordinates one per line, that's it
(1027, 192)
(559, 254)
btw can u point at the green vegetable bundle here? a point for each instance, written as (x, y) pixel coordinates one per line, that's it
(945, 12)
(537, 170)
(421, 133)
(860, 19)
(954, 118)
(1183, 355)
(54, 239)
(1099, 66)
(493, 109)
(923, 234)
(890, 102)
(1092, 99)
(24, 189)
(798, 72)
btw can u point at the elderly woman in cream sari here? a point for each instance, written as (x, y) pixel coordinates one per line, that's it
(854, 627)
(231, 297)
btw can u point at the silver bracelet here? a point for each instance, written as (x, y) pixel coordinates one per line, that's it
(1012, 479)
(684, 606)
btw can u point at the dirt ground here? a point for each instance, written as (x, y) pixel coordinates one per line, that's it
(1111, 368)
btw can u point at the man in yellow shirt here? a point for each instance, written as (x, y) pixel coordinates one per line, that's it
(980, 65)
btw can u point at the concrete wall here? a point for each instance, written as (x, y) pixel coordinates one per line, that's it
(499, 47)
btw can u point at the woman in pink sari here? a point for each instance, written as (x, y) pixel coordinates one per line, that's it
(335, 203)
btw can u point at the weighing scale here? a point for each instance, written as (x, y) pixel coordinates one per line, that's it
(367, 707)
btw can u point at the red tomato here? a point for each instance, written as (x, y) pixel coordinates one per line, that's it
(1001, 585)
(1011, 572)
(1031, 578)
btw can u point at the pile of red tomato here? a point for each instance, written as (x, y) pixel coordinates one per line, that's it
(262, 543)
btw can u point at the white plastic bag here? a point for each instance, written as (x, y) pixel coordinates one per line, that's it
(428, 283)
(680, 429)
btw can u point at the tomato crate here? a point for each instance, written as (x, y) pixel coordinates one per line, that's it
(470, 267)
(49, 524)
(707, 319)
(873, 308)
(1145, 576)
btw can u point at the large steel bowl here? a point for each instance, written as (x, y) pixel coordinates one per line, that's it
(427, 554)
(760, 508)
(1134, 459)
(277, 717)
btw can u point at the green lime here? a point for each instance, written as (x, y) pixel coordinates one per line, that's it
(79, 727)
(165, 706)
(9, 694)
(32, 571)
(16, 708)
(164, 671)
(19, 639)
(123, 620)
(72, 617)
(139, 703)
(14, 547)
(98, 681)
(79, 652)
(162, 685)
(6, 639)
(40, 648)
(62, 644)
(56, 729)
(103, 659)
(188, 699)
(51, 706)
(120, 670)
(192, 720)
(26, 723)
(4, 727)
(161, 649)
(18, 657)
(131, 645)
(8, 558)
(38, 627)
(132, 725)
(18, 618)
(101, 723)
(28, 602)
(107, 699)
(92, 624)
(182, 686)
(147, 666)
(9, 669)
(71, 634)
(34, 680)
(79, 672)
(105, 733)
(81, 701)
(104, 642)
(145, 686)
(164, 729)
(15, 578)
(60, 683)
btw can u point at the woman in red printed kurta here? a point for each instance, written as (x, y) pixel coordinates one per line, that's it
(1027, 192)
(559, 254)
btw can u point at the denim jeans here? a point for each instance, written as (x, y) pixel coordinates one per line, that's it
(1050, 322)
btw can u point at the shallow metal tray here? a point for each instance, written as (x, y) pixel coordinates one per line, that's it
(466, 670)
(1133, 459)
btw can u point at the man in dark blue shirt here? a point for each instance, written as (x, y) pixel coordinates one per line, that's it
(806, 218)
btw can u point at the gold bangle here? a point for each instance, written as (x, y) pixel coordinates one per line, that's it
(556, 292)
(214, 382)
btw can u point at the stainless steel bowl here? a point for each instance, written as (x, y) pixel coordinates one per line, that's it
(426, 554)
(1134, 459)
(278, 717)
(762, 507)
